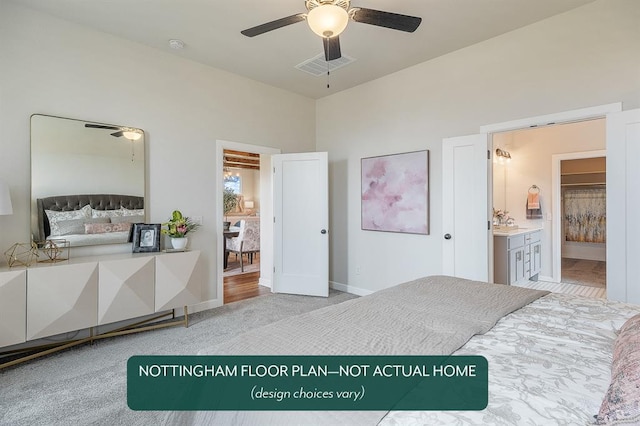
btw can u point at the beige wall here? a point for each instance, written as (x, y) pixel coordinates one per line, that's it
(582, 58)
(55, 67)
(251, 186)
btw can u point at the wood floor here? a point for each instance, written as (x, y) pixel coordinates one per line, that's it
(243, 286)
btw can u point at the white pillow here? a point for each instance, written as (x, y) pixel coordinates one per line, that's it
(55, 217)
(106, 213)
(136, 212)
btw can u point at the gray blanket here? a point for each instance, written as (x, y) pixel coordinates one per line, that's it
(429, 316)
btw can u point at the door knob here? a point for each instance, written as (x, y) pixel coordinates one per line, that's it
(447, 236)
(324, 231)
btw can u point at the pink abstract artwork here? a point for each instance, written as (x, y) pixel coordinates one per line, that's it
(395, 193)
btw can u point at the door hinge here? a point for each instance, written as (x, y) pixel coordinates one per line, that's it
(274, 170)
(274, 269)
(488, 155)
(274, 219)
(488, 226)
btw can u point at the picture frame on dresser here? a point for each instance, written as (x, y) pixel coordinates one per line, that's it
(146, 237)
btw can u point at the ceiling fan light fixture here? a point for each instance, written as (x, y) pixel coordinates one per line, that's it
(327, 20)
(132, 135)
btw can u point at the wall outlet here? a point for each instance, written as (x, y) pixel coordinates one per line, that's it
(357, 270)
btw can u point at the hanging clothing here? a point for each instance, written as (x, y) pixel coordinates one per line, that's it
(585, 215)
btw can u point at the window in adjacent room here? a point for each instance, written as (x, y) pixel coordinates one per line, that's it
(234, 182)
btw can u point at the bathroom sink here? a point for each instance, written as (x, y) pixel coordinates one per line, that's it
(506, 228)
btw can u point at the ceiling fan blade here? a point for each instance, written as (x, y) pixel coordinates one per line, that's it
(394, 21)
(117, 134)
(101, 126)
(274, 25)
(331, 48)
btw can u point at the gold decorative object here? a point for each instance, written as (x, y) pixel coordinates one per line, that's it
(55, 250)
(21, 254)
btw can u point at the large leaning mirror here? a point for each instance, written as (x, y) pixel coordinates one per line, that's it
(87, 180)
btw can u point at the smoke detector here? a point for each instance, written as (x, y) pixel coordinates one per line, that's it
(176, 44)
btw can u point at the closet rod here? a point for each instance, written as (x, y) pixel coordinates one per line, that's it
(597, 172)
(583, 184)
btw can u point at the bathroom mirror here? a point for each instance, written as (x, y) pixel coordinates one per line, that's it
(87, 180)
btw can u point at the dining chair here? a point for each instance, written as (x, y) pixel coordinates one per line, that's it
(247, 241)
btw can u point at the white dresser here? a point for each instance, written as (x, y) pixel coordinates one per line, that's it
(517, 255)
(48, 299)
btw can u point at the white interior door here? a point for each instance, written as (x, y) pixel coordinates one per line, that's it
(623, 205)
(465, 207)
(301, 218)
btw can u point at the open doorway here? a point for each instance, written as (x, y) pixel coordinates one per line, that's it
(241, 203)
(528, 167)
(250, 166)
(582, 214)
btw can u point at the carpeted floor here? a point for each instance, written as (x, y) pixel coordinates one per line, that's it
(87, 384)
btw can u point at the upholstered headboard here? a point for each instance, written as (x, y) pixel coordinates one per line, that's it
(62, 203)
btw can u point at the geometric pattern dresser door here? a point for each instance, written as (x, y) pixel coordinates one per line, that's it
(179, 278)
(61, 298)
(13, 307)
(125, 289)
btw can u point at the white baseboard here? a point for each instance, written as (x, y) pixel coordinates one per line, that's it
(203, 306)
(586, 251)
(349, 289)
(265, 282)
(545, 278)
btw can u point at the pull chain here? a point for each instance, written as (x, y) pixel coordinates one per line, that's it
(327, 61)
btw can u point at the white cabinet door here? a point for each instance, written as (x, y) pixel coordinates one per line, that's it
(13, 307)
(125, 289)
(513, 267)
(179, 279)
(536, 258)
(516, 266)
(61, 298)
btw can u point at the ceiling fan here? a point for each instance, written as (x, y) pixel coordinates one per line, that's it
(328, 18)
(127, 132)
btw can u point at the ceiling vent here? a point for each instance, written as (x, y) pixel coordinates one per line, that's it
(318, 66)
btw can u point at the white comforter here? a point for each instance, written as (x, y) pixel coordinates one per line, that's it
(549, 364)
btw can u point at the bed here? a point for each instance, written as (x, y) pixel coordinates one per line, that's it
(88, 219)
(553, 358)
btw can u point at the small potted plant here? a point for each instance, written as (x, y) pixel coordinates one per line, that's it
(230, 202)
(177, 229)
(501, 218)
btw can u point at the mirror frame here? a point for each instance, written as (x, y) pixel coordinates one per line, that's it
(103, 171)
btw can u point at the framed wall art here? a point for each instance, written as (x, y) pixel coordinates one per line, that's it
(395, 193)
(146, 237)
